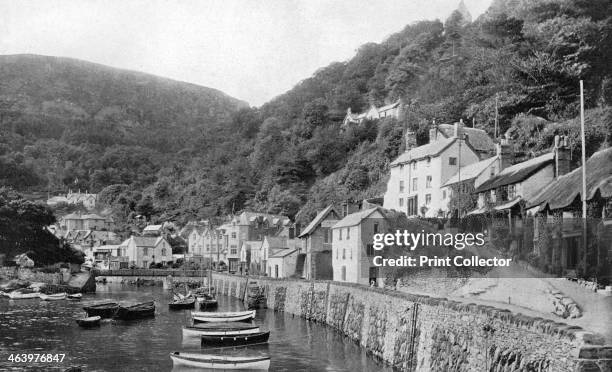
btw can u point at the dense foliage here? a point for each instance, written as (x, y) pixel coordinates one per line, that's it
(292, 156)
(23, 229)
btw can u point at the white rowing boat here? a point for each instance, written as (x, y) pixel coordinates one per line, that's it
(222, 362)
(52, 297)
(234, 316)
(218, 330)
(17, 295)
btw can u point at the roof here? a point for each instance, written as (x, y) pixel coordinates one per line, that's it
(355, 218)
(246, 218)
(92, 216)
(478, 138)
(317, 220)
(565, 189)
(153, 228)
(431, 149)
(517, 173)
(389, 106)
(283, 253)
(143, 241)
(471, 171)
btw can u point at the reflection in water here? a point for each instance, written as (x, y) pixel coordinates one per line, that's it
(33, 326)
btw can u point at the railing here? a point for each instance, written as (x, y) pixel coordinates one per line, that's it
(150, 272)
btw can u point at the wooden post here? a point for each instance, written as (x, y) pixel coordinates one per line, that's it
(584, 190)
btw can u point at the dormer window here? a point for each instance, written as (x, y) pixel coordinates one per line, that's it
(428, 161)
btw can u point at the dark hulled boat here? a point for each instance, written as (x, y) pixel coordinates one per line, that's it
(104, 310)
(92, 321)
(138, 311)
(235, 340)
(184, 303)
(207, 302)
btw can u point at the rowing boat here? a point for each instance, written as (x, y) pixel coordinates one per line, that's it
(104, 310)
(184, 303)
(220, 329)
(76, 296)
(236, 340)
(223, 362)
(52, 297)
(235, 316)
(23, 294)
(92, 321)
(137, 311)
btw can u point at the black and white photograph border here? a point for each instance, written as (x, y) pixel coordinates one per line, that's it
(325, 185)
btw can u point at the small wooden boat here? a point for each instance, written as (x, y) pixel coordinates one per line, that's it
(220, 329)
(236, 340)
(137, 311)
(222, 362)
(92, 321)
(23, 294)
(52, 297)
(185, 303)
(104, 310)
(235, 316)
(207, 302)
(75, 296)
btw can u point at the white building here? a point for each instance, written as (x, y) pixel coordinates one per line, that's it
(391, 110)
(144, 250)
(282, 263)
(415, 186)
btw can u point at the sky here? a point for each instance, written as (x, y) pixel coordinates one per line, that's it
(253, 50)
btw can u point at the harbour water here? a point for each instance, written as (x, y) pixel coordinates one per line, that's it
(37, 327)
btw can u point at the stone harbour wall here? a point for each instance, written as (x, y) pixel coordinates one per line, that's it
(421, 333)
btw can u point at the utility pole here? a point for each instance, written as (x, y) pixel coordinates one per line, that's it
(496, 115)
(584, 196)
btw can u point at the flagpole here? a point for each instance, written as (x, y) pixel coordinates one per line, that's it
(584, 188)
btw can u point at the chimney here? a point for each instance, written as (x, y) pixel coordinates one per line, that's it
(410, 140)
(433, 132)
(458, 129)
(562, 156)
(505, 151)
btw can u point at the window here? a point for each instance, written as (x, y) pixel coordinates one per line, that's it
(443, 194)
(414, 165)
(375, 227)
(412, 206)
(145, 251)
(492, 171)
(348, 233)
(326, 236)
(511, 191)
(401, 202)
(343, 273)
(233, 249)
(428, 161)
(344, 253)
(452, 161)
(233, 235)
(370, 251)
(428, 182)
(339, 234)
(207, 247)
(163, 251)
(401, 166)
(414, 184)
(427, 199)
(401, 186)
(145, 264)
(276, 271)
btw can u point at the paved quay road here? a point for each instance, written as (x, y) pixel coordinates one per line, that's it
(36, 327)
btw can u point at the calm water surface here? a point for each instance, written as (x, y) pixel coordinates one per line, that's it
(34, 326)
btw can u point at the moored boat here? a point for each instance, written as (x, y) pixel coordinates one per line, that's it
(206, 302)
(104, 310)
(92, 321)
(220, 329)
(184, 303)
(52, 297)
(222, 362)
(235, 340)
(23, 294)
(234, 316)
(75, 296)
(137, 311)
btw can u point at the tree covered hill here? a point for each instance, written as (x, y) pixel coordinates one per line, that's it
(63, 120)
(292, 156)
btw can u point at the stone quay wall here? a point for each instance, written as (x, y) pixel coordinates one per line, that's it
(421, 333)
(31, 275)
